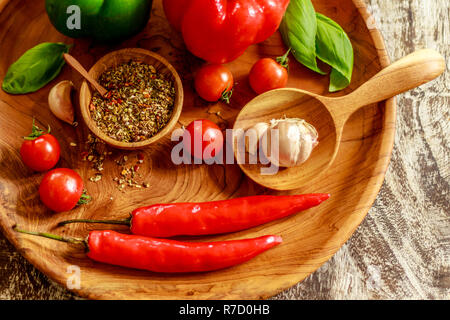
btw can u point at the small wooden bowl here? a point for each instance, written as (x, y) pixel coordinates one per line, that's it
(122, 56)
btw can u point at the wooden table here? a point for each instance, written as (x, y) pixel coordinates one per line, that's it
(402, 249)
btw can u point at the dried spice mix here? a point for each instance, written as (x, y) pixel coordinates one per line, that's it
(138, 105)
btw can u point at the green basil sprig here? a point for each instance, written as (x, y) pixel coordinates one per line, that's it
(35, 68)
(299, 29)
(331, 44)
(333, 47)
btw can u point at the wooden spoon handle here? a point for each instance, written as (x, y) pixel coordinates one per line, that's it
(407, 73)
(81, 70)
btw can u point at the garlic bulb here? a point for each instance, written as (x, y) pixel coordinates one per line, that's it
(60, 101)
(296, 140)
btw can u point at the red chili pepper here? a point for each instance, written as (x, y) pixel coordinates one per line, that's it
(168, 220)
(161, 255)
(170, 256)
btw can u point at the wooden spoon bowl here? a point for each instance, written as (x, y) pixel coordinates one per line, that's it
(328, 115)
(291, 103)
(123, 56)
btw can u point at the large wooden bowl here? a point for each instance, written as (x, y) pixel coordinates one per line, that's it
(114, 59)
(310, 238)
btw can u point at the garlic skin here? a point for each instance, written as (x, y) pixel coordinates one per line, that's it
(296, 140)
(60, 101)
(251, 146)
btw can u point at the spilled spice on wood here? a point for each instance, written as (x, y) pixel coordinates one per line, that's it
(128, 175)
(138, 105)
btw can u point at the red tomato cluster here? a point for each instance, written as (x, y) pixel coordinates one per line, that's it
(214, 82)
(60, 189)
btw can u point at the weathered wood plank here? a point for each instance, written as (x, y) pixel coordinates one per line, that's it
(402, 248)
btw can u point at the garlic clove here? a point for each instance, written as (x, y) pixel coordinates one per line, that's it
(252, 140)
(307, 145)
(60, 101)
(290, 142)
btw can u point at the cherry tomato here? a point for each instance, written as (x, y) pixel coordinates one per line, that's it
(268, 74)
(214, 82)
(40, 151)
(203, 135)
(61, 189)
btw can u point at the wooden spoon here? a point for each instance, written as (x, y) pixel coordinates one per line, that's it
(328, 115)
(81, 70)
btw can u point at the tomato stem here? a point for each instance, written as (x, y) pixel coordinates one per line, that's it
(53, 236)
(226, 95)
(84, 199)
(284, 60)
(36, 132)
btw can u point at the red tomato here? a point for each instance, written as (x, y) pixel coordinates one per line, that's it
(40, 151)
(267, 74)
(214, 82)
(206, 135)
(61, 189)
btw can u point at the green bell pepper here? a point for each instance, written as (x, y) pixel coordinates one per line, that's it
(103, 20)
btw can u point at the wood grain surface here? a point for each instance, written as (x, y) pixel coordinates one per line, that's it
(401, 249)
(354, 180)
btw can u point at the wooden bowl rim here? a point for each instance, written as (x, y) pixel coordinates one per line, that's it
(386, 147)
(177, 108)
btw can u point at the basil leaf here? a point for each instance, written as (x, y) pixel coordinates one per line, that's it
(312, 35)
(334, 48)
(35, 68)
(299, 29)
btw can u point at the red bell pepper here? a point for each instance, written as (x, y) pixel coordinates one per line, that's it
(219, 31)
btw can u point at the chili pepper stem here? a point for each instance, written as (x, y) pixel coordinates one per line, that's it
(53, 236)
(125, 222)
